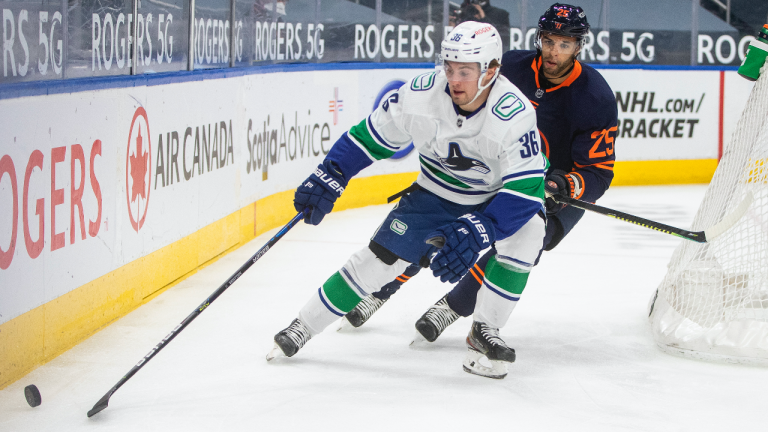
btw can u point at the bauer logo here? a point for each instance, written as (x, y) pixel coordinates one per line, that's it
(398, 227)
(137, 168)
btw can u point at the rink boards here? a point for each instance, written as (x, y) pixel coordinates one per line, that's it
(110, 196)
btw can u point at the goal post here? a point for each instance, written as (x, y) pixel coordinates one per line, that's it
(713, 302)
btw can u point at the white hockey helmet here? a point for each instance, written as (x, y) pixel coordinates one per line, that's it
(473, 42)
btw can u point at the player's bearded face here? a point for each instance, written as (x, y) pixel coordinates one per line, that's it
(462, 81)
(557, 54)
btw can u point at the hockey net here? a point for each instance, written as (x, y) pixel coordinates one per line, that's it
(713, 301)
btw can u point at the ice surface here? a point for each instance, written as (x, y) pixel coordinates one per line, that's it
(586, 358)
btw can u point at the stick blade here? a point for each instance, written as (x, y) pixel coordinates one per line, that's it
(100, 406)
(730, 219)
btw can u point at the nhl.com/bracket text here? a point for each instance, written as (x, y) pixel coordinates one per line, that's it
(657, 116)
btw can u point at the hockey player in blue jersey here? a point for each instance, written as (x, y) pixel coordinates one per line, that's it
(577, 119)
(481, 182)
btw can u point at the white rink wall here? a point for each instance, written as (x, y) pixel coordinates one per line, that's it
(201, 158)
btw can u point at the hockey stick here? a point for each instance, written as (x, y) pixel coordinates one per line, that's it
(104, 401)
(705, 236)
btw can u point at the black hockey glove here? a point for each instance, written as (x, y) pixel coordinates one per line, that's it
(559, 182)
(463, 240)
(319, 192)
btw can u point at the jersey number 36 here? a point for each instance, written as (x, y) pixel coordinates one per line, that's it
(530, 145)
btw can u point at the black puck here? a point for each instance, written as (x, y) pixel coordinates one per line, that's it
(33, 395)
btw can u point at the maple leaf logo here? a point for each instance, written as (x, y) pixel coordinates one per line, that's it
(138, 163)
(138, 169)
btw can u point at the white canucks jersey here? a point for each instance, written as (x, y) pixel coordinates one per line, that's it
(467, 160)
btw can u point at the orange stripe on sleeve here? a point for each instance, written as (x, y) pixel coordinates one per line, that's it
(479, 280)
(479, 270)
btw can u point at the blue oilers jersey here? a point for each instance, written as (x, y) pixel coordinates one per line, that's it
(494, 153)
(577, 120)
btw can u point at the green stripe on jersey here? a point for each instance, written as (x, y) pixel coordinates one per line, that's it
(340, 294)
(507, 277)
(533, 187)
(363, 136)
(443, 176)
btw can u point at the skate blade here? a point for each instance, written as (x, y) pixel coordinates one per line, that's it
(275, 353)
(345, 325)
(473, 365)
(418, 341)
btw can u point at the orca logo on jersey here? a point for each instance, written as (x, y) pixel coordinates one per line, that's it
(456, 161)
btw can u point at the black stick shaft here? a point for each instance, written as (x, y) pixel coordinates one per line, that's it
(104, 401)
(696, 236)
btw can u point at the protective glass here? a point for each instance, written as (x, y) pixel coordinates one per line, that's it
(461, 71)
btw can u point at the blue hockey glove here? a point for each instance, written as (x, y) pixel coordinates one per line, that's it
(319, 192)
(462, 239)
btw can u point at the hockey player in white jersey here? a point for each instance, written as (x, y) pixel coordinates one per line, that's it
(481, 182)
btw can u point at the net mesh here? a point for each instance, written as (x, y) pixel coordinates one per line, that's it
(713, 302)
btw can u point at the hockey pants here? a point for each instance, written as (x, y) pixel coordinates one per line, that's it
(463, 296)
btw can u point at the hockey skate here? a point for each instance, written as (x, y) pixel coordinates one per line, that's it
(434, 321)
(290, 340)
(484, 341)
(362, 312)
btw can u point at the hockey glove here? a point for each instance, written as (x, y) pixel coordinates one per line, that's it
(463, 240)
(559, 182)
(319, 192)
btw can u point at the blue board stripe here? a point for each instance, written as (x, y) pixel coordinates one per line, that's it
(49, 87)
(39, 88)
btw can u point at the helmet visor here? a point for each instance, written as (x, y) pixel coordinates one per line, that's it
(552, 41)
(456, 71)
